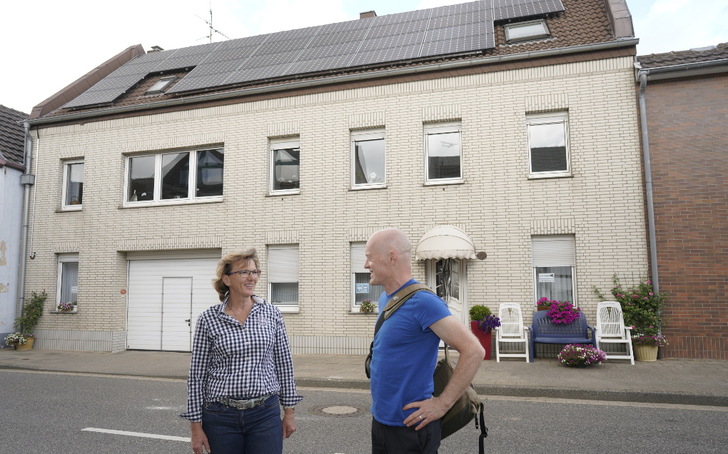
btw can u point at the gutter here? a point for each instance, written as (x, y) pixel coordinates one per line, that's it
(27, 180)
(687, 70)
(337, 80)
(642, 76)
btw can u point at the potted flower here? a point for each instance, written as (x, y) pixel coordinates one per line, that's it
(28, 320)
(482, 322)
(642, 310)
(66, 307)
(578, 355)
(646, 346)
(17, 339)
(544, 304)
(563, 312)
(367, 307)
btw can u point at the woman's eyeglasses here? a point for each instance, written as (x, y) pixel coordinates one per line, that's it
(246, 273)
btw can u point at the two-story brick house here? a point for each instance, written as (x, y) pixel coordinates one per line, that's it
(684, 99)
(507, 130)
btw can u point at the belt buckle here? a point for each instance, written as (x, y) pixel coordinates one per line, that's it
(244, 404)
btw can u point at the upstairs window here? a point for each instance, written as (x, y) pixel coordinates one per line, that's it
(548, 145)
(526, 31)
(72, 185)
(367, 149)
(443, 163)
(285, 167)
(176, 176)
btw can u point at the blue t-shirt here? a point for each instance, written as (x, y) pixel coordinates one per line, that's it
(404, 356)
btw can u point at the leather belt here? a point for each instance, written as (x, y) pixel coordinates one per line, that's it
(243, 404)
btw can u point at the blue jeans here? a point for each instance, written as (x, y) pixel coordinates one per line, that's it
(252, 431)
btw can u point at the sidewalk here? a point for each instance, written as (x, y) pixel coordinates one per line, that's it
(683, 381)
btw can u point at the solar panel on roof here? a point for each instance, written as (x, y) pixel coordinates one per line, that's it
(442, 31)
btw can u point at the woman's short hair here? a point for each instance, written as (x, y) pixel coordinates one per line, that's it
(226, 264)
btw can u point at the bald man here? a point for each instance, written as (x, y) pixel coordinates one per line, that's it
(406, 417)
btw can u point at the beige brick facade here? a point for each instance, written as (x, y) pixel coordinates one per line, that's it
(499, 207)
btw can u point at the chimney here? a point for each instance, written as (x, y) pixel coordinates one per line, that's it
(156, 49)
(367, 14)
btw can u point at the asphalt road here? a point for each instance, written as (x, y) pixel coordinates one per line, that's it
(82, 413)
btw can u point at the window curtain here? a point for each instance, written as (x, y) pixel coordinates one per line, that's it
(69, 282)
(554, 262)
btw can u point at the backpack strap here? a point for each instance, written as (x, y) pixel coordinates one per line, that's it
(394, 303)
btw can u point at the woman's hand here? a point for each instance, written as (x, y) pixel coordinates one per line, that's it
(199, 439)
(289, 422)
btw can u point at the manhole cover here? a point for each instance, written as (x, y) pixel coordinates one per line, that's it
(337, 410)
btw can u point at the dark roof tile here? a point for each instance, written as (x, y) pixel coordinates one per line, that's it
(711, 53)
(12, 134)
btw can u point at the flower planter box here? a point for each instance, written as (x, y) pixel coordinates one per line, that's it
(28, 345)
(645, 352)
(484, 338)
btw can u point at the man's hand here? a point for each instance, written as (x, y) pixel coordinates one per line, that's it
(427, 411)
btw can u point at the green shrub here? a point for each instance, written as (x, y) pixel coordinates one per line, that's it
(478, 312)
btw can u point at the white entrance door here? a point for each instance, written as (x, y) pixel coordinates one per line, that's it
(447, 278)
(177, 313)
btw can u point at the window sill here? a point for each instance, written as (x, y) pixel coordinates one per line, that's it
(75, 311)
(444, 182)
(353, 312)
(172, 202)
(283, 193)
(367, 188)
(288, 309)
(546, 176)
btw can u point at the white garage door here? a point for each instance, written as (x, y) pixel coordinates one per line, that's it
(164, 299)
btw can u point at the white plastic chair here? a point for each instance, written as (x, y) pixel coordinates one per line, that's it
(511, 331)
(611, 330)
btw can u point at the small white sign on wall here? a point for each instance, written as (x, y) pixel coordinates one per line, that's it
(362, 288)
(546, 277)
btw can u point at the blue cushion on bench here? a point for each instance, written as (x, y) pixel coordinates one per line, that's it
(545, 332)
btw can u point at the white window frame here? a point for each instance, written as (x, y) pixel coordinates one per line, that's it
(549, 251)
(526, 31)
(358, 258)
(366, 136)
(65, 204)
(62, 260)
(157, 196)
(161, 85)
(546, 119)
(277, 145)
(436, 129)
(283, 269)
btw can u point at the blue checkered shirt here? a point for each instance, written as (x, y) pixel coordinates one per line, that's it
(240, 361)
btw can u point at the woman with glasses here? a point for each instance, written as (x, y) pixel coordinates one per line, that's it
(241, 368)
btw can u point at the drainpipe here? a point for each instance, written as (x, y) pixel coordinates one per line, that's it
(642, 75)
(27, 180)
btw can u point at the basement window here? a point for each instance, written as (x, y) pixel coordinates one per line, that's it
(526, 31)
(161, 85)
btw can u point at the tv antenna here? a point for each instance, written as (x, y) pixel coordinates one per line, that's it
(213, 30)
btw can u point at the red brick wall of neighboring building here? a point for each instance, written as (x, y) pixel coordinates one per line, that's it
(688, 132)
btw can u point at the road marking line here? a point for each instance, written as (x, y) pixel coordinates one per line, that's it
(136, 434)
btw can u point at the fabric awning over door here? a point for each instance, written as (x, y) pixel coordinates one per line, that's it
(445, 242)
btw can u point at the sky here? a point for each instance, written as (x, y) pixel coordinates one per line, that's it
(48, 44)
